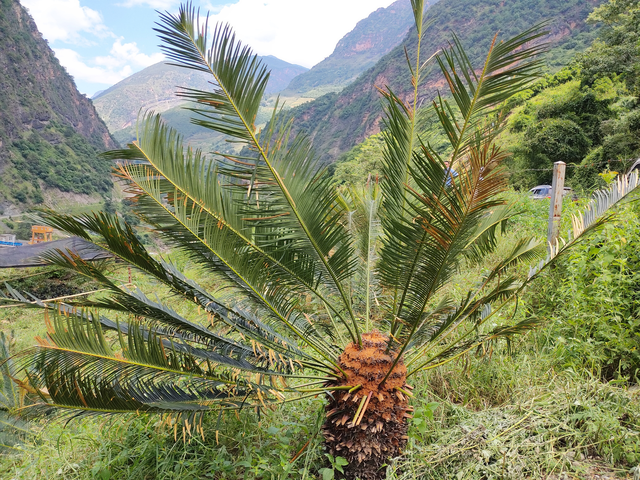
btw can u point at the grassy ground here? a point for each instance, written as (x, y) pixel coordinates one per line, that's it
(512, 414)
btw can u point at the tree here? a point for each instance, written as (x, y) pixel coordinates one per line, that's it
(325, 294)
(548, 141)
(617, 51)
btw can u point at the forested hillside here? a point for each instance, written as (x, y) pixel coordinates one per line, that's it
(50, 134)
(587, 115)
(358, 50)
(338, 121)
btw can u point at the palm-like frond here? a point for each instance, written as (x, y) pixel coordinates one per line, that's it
(442, 218)
(297, 206)
(362, 204)
(76, 367)
(239, 76)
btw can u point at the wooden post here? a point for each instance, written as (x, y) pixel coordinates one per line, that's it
(555, 208)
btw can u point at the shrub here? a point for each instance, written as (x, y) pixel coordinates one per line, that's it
(596, 313)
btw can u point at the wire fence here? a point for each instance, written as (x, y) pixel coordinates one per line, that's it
(626, 163)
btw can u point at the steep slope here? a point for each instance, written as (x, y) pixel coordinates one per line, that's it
(337, 122)
(50, 134)
(155, 88)
(357, 51)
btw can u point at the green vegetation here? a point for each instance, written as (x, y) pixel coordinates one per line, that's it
(362, 162)
(346, 296)
(70, 166)
(591, 128)
(518, 413)
(594, 314)
(50, 135)
(275, 249)
(586, 115)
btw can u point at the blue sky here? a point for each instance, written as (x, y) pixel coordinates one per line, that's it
(101, 42)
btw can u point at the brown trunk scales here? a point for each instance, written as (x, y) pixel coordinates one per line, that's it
(369, 425)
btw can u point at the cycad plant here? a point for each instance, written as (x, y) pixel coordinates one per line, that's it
(320, 292)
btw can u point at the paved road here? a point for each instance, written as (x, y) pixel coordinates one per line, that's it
(29, 255)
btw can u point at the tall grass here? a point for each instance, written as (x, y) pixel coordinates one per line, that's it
(511, 412)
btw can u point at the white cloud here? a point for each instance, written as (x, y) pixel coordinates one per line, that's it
(127, 53)
(157, 4)
(65, 20)
(298, 31)
(75, 65)
(123, 60)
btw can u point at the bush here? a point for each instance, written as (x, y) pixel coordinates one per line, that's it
(595, 315)
(23, 232)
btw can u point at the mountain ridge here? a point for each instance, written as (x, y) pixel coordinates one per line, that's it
(371, 38)
(338, 121)
(155, 88)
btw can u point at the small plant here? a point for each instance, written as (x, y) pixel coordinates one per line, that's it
(421, 418)
(336, 466)
(608, 176)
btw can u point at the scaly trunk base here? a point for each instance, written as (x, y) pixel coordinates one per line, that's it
(369, 425)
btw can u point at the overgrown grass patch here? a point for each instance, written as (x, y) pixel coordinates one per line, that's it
(510, 413)
(516, 417)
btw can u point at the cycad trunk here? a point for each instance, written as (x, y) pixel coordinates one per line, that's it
(368, 425)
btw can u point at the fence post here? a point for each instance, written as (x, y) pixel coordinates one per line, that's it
(555, 208)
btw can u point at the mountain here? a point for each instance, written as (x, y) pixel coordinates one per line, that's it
(50, 134)
(338, 121)
(357, 51)
(155, 88)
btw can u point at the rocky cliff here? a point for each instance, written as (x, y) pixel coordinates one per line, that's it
(50, 134)
(360, 49)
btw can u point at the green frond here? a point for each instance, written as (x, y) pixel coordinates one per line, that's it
(120, 240)
(292, 192)
(438, 217)
(76, 367)
(240, 77)
(363, 204)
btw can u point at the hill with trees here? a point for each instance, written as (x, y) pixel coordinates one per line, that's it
(338, 121)
(50, 134)
(588, 114)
